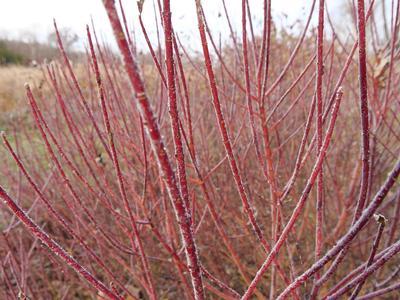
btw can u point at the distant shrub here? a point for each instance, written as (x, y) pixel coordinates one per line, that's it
(9, 57)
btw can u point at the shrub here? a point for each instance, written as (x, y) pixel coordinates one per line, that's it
(196, 178)
(7, 56)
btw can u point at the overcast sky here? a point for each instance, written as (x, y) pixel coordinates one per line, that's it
(33, 18)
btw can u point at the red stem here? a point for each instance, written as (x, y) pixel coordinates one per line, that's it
(157, 143)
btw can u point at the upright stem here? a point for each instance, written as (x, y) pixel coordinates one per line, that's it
(159, 150)
(364, 150)
(363, 90)
(224, 131)
(320, 180)
(173, 109)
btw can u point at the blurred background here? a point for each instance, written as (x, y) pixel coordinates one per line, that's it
(26, 27)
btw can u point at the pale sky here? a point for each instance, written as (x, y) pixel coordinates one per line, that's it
(27, 18)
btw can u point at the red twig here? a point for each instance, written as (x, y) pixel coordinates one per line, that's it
(54, 247)
(159, 151)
